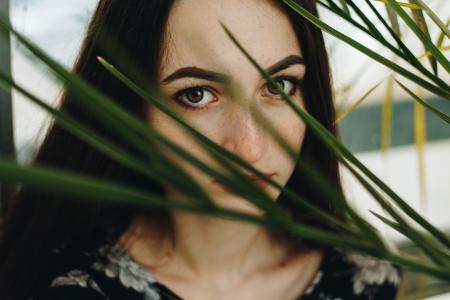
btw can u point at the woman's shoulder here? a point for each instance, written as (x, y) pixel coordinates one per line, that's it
(350, 275)
(103, 272)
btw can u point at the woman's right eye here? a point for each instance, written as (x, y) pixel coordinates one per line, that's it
(196, 97)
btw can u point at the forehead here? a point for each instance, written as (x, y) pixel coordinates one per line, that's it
(194, 36)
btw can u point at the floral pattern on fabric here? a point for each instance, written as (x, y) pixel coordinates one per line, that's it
(371, 271)
(131, 275)
(76, 278)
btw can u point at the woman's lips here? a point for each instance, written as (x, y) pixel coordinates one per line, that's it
(262, 184)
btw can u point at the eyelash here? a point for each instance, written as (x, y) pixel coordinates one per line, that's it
(294, 80)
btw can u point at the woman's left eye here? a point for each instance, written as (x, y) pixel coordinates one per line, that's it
(289, 86)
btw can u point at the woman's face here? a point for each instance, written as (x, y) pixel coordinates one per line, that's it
(215, 88)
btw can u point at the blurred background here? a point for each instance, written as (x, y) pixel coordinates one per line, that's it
(405, 146)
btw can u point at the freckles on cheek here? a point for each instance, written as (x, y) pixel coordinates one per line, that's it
(176, 134)
(291, 128)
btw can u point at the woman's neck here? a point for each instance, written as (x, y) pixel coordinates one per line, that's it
(214, 251)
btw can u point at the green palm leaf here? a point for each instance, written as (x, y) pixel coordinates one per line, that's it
(422, 24)
(434, 110)
(421, 35)
(442, 91)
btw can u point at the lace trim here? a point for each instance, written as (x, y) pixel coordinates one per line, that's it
(76, 278)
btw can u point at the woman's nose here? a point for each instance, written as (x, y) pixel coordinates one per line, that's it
(243, 136)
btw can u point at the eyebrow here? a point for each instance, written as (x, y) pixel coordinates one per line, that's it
(194, 72)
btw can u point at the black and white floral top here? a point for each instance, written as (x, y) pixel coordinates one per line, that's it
(109, 273)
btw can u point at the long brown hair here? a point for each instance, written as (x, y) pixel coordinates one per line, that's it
(38, 222)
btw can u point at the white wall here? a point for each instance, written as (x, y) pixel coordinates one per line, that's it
(400, 169)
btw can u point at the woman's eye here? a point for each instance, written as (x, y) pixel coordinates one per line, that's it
(196, 97)
(287, 85)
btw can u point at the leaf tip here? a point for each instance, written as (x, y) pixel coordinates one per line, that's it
(225, 28)
(101, 59)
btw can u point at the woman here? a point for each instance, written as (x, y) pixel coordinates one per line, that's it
(56, 249)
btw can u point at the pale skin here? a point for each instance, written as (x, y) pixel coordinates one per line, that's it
(216, 258)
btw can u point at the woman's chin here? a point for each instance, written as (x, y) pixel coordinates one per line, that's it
(234, 202)
(227, 199)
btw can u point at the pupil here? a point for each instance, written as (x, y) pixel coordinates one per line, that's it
(195, 95)
(273, 89)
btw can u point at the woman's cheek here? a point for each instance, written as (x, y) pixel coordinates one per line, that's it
(291, 128)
